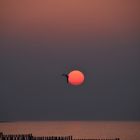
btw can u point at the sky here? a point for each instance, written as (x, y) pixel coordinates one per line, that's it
(40, 40)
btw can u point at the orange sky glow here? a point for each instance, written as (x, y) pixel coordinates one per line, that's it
(63, 19)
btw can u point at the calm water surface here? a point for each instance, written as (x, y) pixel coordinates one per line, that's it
(78, 129)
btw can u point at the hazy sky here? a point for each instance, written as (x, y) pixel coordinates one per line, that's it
(41, 39)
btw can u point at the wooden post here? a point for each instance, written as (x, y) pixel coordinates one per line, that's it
(1, 135)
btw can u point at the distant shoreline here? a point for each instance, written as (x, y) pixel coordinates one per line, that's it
(13, 121)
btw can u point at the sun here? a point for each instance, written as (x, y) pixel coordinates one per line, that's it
(76, 77)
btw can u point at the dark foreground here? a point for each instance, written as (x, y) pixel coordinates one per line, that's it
(31, 137)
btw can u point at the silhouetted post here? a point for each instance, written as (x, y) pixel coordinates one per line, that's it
(55, 138)
(30, 137)
(5, 137)
(17, 137)
(1, 135)
(25, 137)
(62, 138)
(8, 137)
(14, 138)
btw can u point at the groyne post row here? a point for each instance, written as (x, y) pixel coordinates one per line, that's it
(100, 139)
(31, 137)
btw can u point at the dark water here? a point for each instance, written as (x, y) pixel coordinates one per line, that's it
(78, 129)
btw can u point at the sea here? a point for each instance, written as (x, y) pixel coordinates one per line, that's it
(125, 130)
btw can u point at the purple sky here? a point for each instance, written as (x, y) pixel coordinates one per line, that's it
(40, 40)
